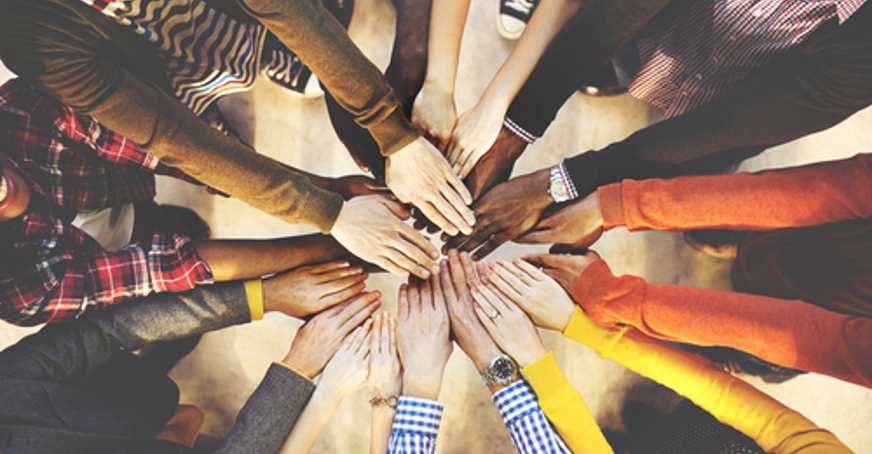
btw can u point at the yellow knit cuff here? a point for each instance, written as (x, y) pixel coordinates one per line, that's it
(294, 370)
(254, 293)
(544, 375)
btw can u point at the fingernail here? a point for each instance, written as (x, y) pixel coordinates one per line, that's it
(435, 270)
(434, 255)
(425, 274)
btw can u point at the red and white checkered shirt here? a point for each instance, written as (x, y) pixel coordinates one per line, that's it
(717, 43)
(51, 271)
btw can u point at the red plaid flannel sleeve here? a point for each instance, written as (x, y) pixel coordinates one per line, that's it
(62, 287)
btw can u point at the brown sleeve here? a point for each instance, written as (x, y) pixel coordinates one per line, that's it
(795, 197)
(308, 29)
(791, 333)
(70, 60)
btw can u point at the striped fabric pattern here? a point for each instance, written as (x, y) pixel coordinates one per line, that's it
(717, 43)
(530, 430)
(207, 53)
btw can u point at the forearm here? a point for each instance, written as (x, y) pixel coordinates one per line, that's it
(774, 329)
(522, 416)
(773, 426)
(565, 408)
(382, 420)
(764, 201)
(308, 29)
(311, 423)
(246, 259)
(447, 22)
(548, 19)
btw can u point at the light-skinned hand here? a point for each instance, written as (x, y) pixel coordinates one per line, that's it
(318, 339)
(508, 211)
(563, 268)
(347, 370)
(434, 112)
(420, 175)
(508, 325)
(579, 224)
(470, 335)
(528, 287)
(422, 337)
(372, 228)
(385, 372)
(309, 289)
(476, 130)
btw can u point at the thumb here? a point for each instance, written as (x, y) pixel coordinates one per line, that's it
(396, 208)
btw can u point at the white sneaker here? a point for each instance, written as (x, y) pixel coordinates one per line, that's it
(513, 17)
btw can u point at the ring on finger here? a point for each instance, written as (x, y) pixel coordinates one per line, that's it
(494, 315)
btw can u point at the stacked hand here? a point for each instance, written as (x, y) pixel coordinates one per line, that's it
(579, 224)
(476, 130)
(564, 264)
(385, 372)
(434, 112)
(347, 370)
(309, 289)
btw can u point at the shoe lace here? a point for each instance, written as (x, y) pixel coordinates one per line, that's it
(522, 6)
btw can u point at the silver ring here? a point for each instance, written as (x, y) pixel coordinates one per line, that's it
(494, 315)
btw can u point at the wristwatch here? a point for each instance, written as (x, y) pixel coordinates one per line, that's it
(557, 187)
(502, 370)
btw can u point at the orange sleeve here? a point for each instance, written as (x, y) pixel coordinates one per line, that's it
(791, 333)
(795, 197)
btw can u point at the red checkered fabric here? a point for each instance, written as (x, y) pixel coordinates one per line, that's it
(51, 271)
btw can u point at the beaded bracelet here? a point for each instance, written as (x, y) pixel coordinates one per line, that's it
(389, 401)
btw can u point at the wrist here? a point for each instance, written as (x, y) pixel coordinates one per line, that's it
(324, 394)
(540, 182)
(483, 358)
(526, 358)
(301, 366)
(425, 386)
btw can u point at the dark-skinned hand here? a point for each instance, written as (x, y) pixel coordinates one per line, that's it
(579, 224)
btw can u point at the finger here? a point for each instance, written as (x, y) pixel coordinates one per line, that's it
(329, 266)
(455, 209)
(359, 317)
(534, 273)
(461, 189)
(482, 269)
(396, 208)
(480, 236)
(445, 283)
(414, 291)
(452, 151)
(396, 256)
(384, 334)
(438, 296)
(335, 273)
(436, 216)
(545, 236)
(375, 341)
(391, 267)
(468, 267)
(521, 280)
(392, 334)
(484, 302)
(468, 164)
(494, 297)
(543, 260)
(426, 295)
(416, 238)
(506, 283)
(331, 287)
(403, 302)
(485, 319)
(491, 245)
(342, 295)
(355, 338)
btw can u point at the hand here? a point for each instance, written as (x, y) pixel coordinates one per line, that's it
(372, 228)
(535, 292)
(422, 337)
(385, 378)
(418, 174)
(496, 165)
(435, 114)
(318, 339)
(563, 268)
(351, 186)
(508, 325)
(469, 333)
(347, 370)
(476, 130)
(506, 212)
(579, 224)
(309, 289)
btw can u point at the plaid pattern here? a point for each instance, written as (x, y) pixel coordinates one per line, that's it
(530, 430)
(52, 271)
(415, 427)
(716, 44)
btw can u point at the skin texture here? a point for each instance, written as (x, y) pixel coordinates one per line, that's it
(344, 374)
(579, 224)
(378, 229)
(422, 337)
(19, 192)
(563, 268)
(528, 287)
(508, 325)
(385, 379)
(310, 289)
(506, 212)
(319, 338)
(470, 335)
(496, 165)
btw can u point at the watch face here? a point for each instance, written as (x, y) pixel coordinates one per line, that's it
(503, 369)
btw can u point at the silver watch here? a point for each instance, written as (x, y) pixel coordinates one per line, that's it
(502, 370)
(557, 187)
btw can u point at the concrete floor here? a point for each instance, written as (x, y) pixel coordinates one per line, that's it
(228, 365)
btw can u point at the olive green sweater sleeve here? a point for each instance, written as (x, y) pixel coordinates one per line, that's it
(308, 29)
(71, 52)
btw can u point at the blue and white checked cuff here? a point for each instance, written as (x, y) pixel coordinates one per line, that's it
(518, 131)
(415, 427)
(530, 430)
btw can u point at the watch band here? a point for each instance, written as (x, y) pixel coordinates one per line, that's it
(502, 370)
(561, 188)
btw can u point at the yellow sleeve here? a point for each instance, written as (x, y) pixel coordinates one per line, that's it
(775, 427)
(254, 293)
(564, 407)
